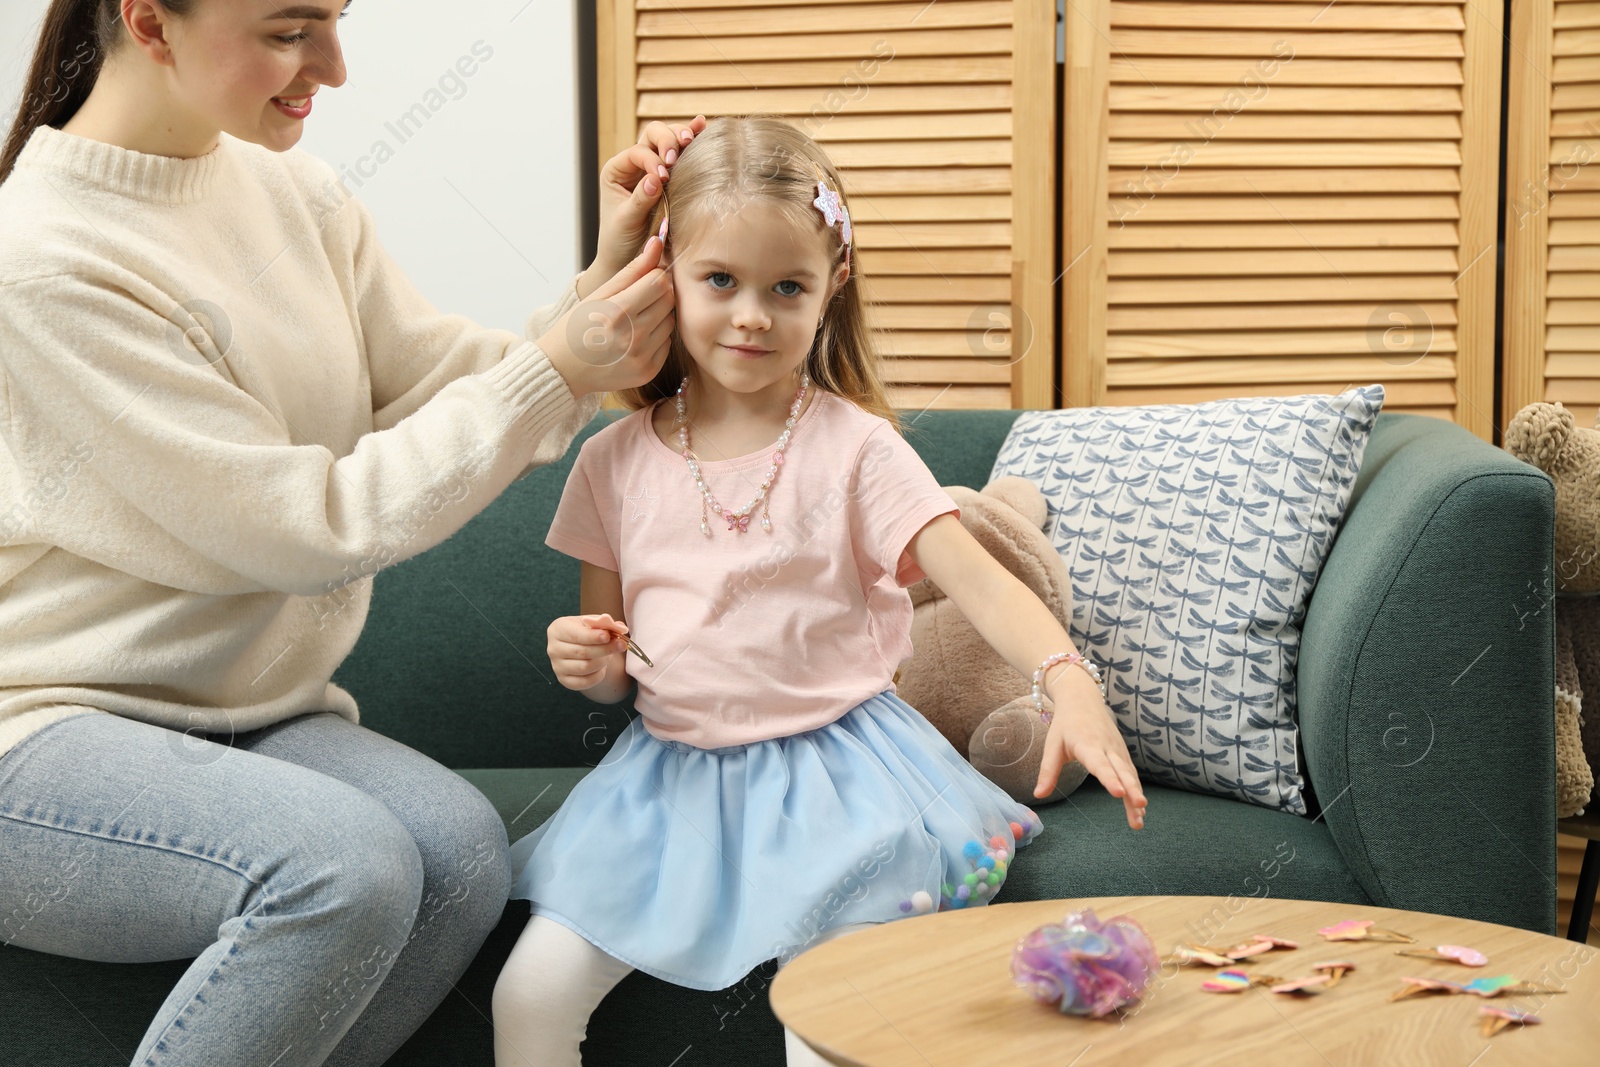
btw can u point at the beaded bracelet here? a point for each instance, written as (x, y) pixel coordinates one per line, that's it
(1052, 660)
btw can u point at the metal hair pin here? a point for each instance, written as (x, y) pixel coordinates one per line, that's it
(633, 646)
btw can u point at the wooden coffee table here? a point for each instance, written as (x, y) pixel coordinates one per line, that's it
(936, 991)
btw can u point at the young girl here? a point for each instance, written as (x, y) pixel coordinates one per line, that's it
(750, 528)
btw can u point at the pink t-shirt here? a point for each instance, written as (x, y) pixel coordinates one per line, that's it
(759, 634)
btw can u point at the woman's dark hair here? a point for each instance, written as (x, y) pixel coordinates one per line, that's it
(73, 43)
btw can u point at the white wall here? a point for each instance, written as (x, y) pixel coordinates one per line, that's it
(479, 203)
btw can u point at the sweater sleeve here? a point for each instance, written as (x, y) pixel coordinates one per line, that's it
(412, 350)
(192, 482)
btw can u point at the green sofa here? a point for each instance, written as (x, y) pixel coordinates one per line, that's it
(1425, 684)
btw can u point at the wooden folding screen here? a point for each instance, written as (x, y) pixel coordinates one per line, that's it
(1552, 274)
(1265, 197)
(1552, 288)
(940, 117)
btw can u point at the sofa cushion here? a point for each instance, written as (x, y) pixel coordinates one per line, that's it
(1193, 535)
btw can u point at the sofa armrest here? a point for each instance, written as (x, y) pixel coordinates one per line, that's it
(1426, 678)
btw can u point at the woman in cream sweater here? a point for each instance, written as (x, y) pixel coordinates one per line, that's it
(224, 408)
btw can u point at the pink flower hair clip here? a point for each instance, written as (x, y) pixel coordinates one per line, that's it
(833, 210)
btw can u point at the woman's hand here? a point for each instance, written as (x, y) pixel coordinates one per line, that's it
(619, 337)
(1082, 729)
(626, 201)
(579, 645)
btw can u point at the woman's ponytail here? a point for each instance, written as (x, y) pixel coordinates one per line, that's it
(72, 46)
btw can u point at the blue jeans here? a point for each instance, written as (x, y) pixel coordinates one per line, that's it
(330, 884)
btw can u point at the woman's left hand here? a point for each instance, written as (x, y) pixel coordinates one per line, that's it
(630, 184)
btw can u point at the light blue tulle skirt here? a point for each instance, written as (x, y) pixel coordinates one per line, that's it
(696, 865)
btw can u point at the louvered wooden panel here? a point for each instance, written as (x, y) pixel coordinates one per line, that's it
(1267, 198)
(1552, 295)
(1552, 272)
(946, 148)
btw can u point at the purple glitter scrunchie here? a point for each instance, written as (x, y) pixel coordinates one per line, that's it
(1085, 966)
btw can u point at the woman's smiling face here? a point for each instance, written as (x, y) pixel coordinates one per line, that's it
(235, 59)
(751, 280)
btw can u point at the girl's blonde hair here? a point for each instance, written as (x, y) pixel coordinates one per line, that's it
(739, 160)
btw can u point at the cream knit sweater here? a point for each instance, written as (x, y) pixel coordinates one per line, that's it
(224, 408)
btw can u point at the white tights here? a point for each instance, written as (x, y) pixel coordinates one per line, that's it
(553, 982)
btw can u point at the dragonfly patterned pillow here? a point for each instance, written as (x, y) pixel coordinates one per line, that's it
(1194, 535)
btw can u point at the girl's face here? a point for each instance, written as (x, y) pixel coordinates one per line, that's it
(234, 60)
(756, 283)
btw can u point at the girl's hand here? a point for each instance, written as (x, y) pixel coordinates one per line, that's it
(626, 201)
(578, 646)
(1084, 730)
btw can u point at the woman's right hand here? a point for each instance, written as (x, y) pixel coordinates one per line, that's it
(619, 337)
(578, 648)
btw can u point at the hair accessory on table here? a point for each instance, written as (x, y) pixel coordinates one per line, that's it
(1257, 945)
(1083, 965)
(1483, 987)
(1335, 969)
(1505, 983)
(1470, 957)
(1234, 980)
(1424, 985)
(1361, 930)
(1183, 954)
(1309, 984)
(833, 210)
(1494, 1019)
(1248, 949)
(1051, 661)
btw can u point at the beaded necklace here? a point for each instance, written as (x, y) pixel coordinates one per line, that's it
(738, 520)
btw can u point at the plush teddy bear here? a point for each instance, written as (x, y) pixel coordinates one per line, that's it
(1546, 436)
(967, 690)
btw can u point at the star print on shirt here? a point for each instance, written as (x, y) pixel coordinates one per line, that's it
(642, 511)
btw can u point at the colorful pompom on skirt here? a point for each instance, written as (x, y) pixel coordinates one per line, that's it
(698, 864)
